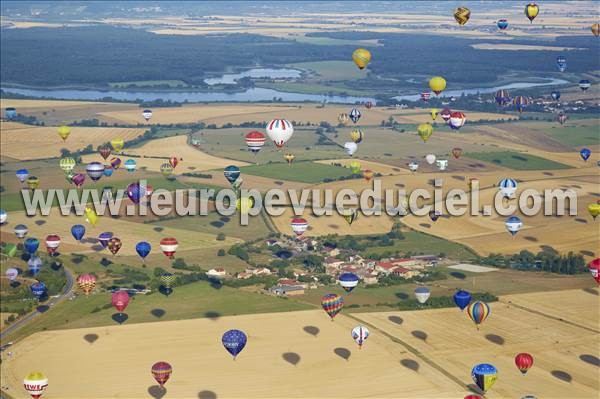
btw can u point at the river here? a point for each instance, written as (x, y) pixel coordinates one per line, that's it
(256, 73)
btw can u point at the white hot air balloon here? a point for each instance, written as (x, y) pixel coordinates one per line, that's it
(350, 147)
(508, 188)
(3, 216)
(147, 114)
(11, 273)
(413, 166)
(422, 294)
(513, 225)
(360, 335)
(442, 164)
(21, 230)
(280, 131)
(430, 158)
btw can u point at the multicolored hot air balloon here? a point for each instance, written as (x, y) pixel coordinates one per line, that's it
(147, 114)
(562, 118)
(360, 335)
(478, 311)
(289, 158)
(361, 57)
(332, 304)
(114, 245)
(64, 132)
(413, 166)
(104, 237)
(368, 174)
(231, 173)
(437, 84)
(120, 300)
(350, 215)
(462, 299)
(584, 84)
(502, 97)
(169, 245)
(457, 152)
(167, 279)
(234, 342)
(484, 375)
(425, 95)
(513, 225)
(369, 104)
(161, 371)
(555, 95)
(52, 243)
(445, 114)
(115, 163)
(280, 131)
(299, 226)
(95, 170)
(357, 136)
(67, 164)
(595, 29)
(348, 281)
(561, 63)
(457, 120)
(531, 11)
(135, 192)
(350, 147)
(255, 141)
(78, 179)
(594, 268)
(174, 161)
(86, 283)
(11, 273)
(20, 230)
(521, 103)
(35, 383)
(104, 152)
(143, 248)
(166, 169)
(502, 24)
(34, 264)
(425, 130)
(524, 361)
(130, 165)
(422, 294)
(22, 175)
(343, 118)
(354, 115)
(585, 153)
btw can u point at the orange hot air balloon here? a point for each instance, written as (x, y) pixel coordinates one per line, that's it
(368, 174)
(596, 29)
(86, 283)
(173, 161)
(457, 152)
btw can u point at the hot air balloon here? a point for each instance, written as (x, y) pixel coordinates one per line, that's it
(169, 245)
(130, 165)
(35, 383)
(147, 114)
(280, 131)
(584, 84)
(457, 120)
(594, 268)
(120, 300)
(173, 161)
(34, 264)
(117, 144)
(462, 15)
(357, 136)
(354, 115)
(445, 114)
(462, 299)
(104, 237)
(167, 280)
(360, 335)
(422, 294)
(95, 170)
(9, 250)
(502, 24)
(22, 175)
(114, 245)
(52, 243)
(20, 230)
(299, 226)
(350, 215)
(86, 283)
(561, 63)
(38, 289)
(143, 249)
(555, 95)
(442, 164)
(596, 29)
(425, 95)
(135, 192)
(166, 169)
(524, 361)
(350, 147)
(64, 132)
(115, 163)
(368, 174)
(234, 342)
(348, 281)
(457, 152)
(413, 166)
(90, 216)
(255, 141)
(343, 118)
(425, 130)
(531, 11)
(430, 158)
(473, 397)
(31, 245)
(67, 164)
(108, 170)
(434, 113)
(10, 113)
(437, 84)
(478, 312)
(369, 104)
(104, 152)
(332, 304)
(361, 57)
(231, 173)
(244, 204)
(289, 158)
(161, 371)
(355, 167)
(594, 209)
(562, 118)
(434, 215)
(508, 188)
(513, 225)
(502, 97)
(3, 216)
(11, 273)
(521, 103)
(585, 153)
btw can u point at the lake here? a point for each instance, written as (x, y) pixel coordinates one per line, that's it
(256, 73)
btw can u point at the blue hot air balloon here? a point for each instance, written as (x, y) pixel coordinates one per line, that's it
(484, 375)
(31, 245)
(585, 153)
(35, 264)
(584, 84)
(10, 113)
(38, 289)
(502, 24)
(231, 173)
(104, 237)
(234, 341)
(513, 225)
(462, 299)
(22, 175)
(78, 231)
(108, 170)
(561, 63)
(555, 95)
(143, 249)
(348, 281)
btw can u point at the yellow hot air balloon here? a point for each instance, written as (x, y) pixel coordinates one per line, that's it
(531, 11)
(357, 135)
(434, 113)
(33, 182)
(350, 215)
(67, 164)
(594, 209)
(462, 15)
(289, 158)
(90, 216)
(244, 204)
(355, 167)
(64, 132)
(425, 130)
(166, 169)
(596, 29)
(361, 57)
(117, 144)
(437, 84)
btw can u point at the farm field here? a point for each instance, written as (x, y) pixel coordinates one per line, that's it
(516, 161)
(575, 136)
(306, 172)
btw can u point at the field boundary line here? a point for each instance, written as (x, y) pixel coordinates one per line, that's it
(415, 352)
(559, 319)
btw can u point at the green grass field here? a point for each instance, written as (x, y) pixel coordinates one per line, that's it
(332, 70)
(305, 172)
(575, 136)
(516, 160)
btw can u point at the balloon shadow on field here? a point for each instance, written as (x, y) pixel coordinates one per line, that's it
(531, 238)
(395, 319)
(90, 338)
(401, 295)
(312, 330)
(291, 357)
(586, 253)
(212, 315)
(591, 359)
(410, 364)
(157, 392)
(158, 313)
(158, 229)
(458, 275)
(425, 225)
(120, 317)
(580, 220)
(15, 284)
(496, 339)
(40, 222)
(343, 353)
(207, 395)
(43, 308)
(105, 262)
(561, 375)
(422, 335)
(56, 266)
(591, 291)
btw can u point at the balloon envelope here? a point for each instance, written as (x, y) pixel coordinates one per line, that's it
(484, 375)
(332, 304)
(462, 299)
(234, 341)
(143, 249)
(361, 57)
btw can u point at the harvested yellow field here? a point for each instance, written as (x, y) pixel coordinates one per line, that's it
(376, 167)
(562, 351)
(280, 360)
(44, 142)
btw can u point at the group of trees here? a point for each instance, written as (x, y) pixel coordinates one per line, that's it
(547, 261)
